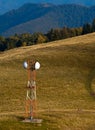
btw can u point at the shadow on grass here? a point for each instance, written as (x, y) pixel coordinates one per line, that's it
(19, 118)
(89, 82)
(47, 123)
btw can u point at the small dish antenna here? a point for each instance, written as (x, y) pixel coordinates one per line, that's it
(35, 65)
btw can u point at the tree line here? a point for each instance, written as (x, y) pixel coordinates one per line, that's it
(27, 39)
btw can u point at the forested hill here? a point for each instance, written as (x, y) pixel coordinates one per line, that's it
(42, 17)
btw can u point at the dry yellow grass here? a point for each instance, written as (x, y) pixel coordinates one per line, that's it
(65, 83)
(18, 52)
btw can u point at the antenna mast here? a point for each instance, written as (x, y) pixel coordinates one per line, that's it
(31, 97)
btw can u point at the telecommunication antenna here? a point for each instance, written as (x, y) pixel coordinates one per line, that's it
(31, 97)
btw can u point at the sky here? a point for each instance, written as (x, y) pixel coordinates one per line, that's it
(7, 5)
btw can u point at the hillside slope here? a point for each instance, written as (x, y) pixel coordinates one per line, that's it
(18, 52)
(65, 84)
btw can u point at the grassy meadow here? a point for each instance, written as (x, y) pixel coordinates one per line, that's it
(65, 85)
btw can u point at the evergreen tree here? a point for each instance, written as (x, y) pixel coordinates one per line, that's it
(87, 28)
(65, 33)
(93, 25)
(19, 43)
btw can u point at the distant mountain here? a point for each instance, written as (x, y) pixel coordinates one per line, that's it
(7, 5)
(42, 17)
(81, 2)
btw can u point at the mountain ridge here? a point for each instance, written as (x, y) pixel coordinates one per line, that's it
(31, 18)
(8, 5)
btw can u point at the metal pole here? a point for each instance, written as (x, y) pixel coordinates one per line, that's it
(31, 90)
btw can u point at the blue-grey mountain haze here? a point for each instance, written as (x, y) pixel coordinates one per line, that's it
(7, 5)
